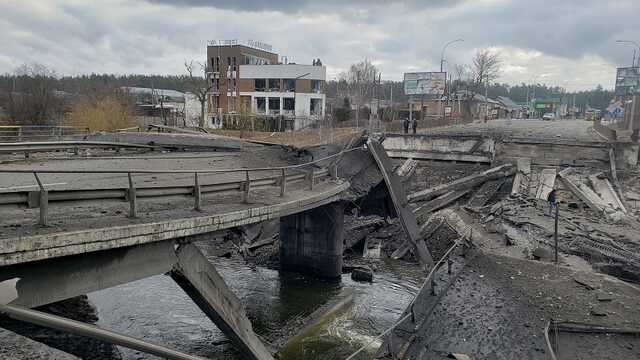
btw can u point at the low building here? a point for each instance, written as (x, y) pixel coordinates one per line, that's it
(164, 107)
(250, 80)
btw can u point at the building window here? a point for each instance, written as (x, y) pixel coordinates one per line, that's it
(316, 86)
(288, 106)
(261, 105)
(315, 107)
(289, 85)
(260, 84)
(274, 106)
(274, 84)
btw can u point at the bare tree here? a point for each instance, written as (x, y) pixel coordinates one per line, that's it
(32, 99)
(486, 66)
(361, 81)
(199, 86)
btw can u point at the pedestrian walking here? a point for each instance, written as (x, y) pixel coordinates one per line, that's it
(551, 199)
(414, 125)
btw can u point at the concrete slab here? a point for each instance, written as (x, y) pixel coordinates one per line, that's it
(168, 140)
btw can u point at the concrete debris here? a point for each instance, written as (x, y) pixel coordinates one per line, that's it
(361, 274)
(486, 192)
(407, 169)
(464, 183)
(398, 196)
(459, 356)
(521, 179)
(372, 248)
(8, 291)
(605, 190)
(546, 183)
(439, 202)
(360, 228)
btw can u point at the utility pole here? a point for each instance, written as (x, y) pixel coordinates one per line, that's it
(486, 100)
(555, 234)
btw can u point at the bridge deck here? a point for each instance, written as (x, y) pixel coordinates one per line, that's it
(78, 228)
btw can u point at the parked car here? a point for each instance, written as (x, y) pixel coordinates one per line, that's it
(549, 116)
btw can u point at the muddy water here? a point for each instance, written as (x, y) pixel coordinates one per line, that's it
(157, 310)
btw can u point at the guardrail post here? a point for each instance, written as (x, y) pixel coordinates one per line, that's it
(133, 202)
(197, 193)
(44, 201)
(311, 179)
(283, 182)
(246, 188)
(333, 170)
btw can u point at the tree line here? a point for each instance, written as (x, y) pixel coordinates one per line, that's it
(35, 94)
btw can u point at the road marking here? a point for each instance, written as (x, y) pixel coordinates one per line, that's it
(29, 186)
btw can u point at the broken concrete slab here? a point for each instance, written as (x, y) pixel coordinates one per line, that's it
(521, 179)
(202, 282)
(170, 140)
(407, 168)
(585, 194)
(372, 248)
(398, 196)
(465, 182)
(605, 191)
(546, 183)
(485, 193)
(440, 202)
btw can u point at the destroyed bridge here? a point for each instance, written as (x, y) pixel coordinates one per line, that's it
(80, 230)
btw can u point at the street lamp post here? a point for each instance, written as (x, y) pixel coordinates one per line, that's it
(633, 63)
(444, 48)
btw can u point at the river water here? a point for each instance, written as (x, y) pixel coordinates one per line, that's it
(157, 310)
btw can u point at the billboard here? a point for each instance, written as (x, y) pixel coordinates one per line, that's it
(628, 81)
(424, 83)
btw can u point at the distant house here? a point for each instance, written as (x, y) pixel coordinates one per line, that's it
(478, 104)
(165, 107)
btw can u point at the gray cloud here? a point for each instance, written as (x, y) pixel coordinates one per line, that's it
(557, 39)
(293, 6)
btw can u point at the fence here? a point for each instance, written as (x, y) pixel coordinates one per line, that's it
(18, 133)
(310, 173)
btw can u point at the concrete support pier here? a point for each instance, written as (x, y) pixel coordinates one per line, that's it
(311, 242)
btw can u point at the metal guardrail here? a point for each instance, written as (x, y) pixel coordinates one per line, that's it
(75, 146)
(44, 196)
(13, 133)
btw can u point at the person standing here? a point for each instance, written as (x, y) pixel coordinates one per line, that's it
(405, 125)
(551, 199)
(414, 125)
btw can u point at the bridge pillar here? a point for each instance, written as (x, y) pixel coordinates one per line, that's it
(311, 242)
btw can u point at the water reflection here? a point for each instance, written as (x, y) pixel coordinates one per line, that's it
(157, 310)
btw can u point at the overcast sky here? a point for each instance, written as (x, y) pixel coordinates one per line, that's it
(570, 43)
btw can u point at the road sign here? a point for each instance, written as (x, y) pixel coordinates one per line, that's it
(628, 81)
(425, 83)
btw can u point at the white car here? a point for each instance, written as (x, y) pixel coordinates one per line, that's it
(549, 116)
